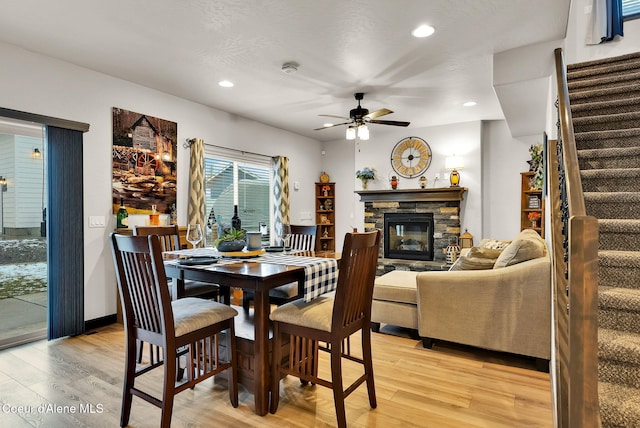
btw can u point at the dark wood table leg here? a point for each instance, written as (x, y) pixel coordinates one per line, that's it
(261, 351)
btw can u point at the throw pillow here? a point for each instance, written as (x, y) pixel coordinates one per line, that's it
(525, 247)
(472, 263)
(484, 253)
(494, 244)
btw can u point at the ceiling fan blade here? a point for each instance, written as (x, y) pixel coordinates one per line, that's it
(390, 122)
(377, 113)
(333, 115)
(337, 124)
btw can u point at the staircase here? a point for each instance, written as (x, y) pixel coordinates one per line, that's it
(605, 105)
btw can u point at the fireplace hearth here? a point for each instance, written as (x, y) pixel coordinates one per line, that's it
(408, 236)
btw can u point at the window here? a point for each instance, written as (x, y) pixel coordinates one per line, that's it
(631, 9)
(235, 178)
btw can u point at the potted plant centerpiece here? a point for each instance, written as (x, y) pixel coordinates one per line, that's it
(365, 174)
(231, 240)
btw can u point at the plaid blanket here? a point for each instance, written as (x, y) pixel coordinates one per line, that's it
(321, 274)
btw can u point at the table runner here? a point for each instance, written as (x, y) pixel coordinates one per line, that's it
(321, 274)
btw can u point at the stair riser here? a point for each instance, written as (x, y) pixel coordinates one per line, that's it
(617, 276)
(613, 210)
(609, 162)
(609, 143)
(605, 110)
(619, 320)
(623, 184)
(618, 241)
(581, 98)
(606, 126)
(626, 374)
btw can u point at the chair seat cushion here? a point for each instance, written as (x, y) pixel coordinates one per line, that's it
(287, 291)
(191, 314)
(315, 314)
(396, 286)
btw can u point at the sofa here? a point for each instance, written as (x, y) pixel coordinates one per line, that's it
(497, 296)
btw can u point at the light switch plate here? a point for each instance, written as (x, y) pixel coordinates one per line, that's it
(96, 221)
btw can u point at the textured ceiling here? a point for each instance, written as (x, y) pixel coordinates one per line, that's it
(185, 47)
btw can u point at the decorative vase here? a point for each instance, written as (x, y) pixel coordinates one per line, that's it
(365, 182)
(394, 182)
(534, 223)
(452, 251)
(230, 246)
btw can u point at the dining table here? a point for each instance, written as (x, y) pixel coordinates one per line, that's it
(315, 272)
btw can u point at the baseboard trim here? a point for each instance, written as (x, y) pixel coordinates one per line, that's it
(99, 322)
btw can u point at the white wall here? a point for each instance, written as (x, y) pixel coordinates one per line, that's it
(578, 51)
(42, 85)
(504, 158)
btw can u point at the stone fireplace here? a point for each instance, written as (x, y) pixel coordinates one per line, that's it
(441, 205)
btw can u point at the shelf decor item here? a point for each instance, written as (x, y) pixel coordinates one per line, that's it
(324, 177)
(536, 166)
(533, 217)
(365, 174)
(325, 215)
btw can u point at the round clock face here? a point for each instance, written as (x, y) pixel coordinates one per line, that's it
(411, 157)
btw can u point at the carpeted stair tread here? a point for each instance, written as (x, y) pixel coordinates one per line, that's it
(603, 94)
(629, 65)
(605, 107)
(609, 158)
(619, 405)
(615, 345)
(625, 259)
(604, 81)
(617, 138)
(619, 234)
(606, 122)
(625, 226)
(610, 61)
(611, 180)
(624, 299)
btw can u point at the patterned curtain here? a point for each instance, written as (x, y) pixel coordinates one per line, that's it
(606, 21)
(280, 193)
(195, 211)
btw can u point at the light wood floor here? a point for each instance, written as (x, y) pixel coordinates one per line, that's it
(448, 386)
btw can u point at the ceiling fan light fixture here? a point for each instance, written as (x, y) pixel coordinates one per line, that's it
(351, 133)
(422, 31)
(363, 132)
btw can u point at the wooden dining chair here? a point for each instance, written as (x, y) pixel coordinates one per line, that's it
(331, 319)
(303, 238)
(187, 327)
(170, 241)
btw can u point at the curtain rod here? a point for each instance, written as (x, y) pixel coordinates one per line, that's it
(190, 141)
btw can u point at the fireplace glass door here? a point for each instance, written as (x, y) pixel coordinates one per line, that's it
(408, 236)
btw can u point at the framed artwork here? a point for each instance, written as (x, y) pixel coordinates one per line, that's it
(144, 162)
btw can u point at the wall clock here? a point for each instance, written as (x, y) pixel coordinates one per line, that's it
(411, 157)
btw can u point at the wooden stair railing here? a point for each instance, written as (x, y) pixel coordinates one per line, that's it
(574, 240)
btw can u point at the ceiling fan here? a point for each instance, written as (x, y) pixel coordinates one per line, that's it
(359, 117)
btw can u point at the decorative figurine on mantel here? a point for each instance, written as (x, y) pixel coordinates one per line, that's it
(394, 182)
(423, 182)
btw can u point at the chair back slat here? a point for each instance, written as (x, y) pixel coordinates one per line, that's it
(303, 237)
(140, 271)
(354, 291)
(168, 235)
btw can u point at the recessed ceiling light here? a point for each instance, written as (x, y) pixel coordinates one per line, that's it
(423, 31)
(327, 125)
(225, 84)
(469, 104)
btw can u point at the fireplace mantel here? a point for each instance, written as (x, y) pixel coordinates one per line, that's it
(438, 194)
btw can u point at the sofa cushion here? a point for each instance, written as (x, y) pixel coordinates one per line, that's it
(396, 286)
(527, 245)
